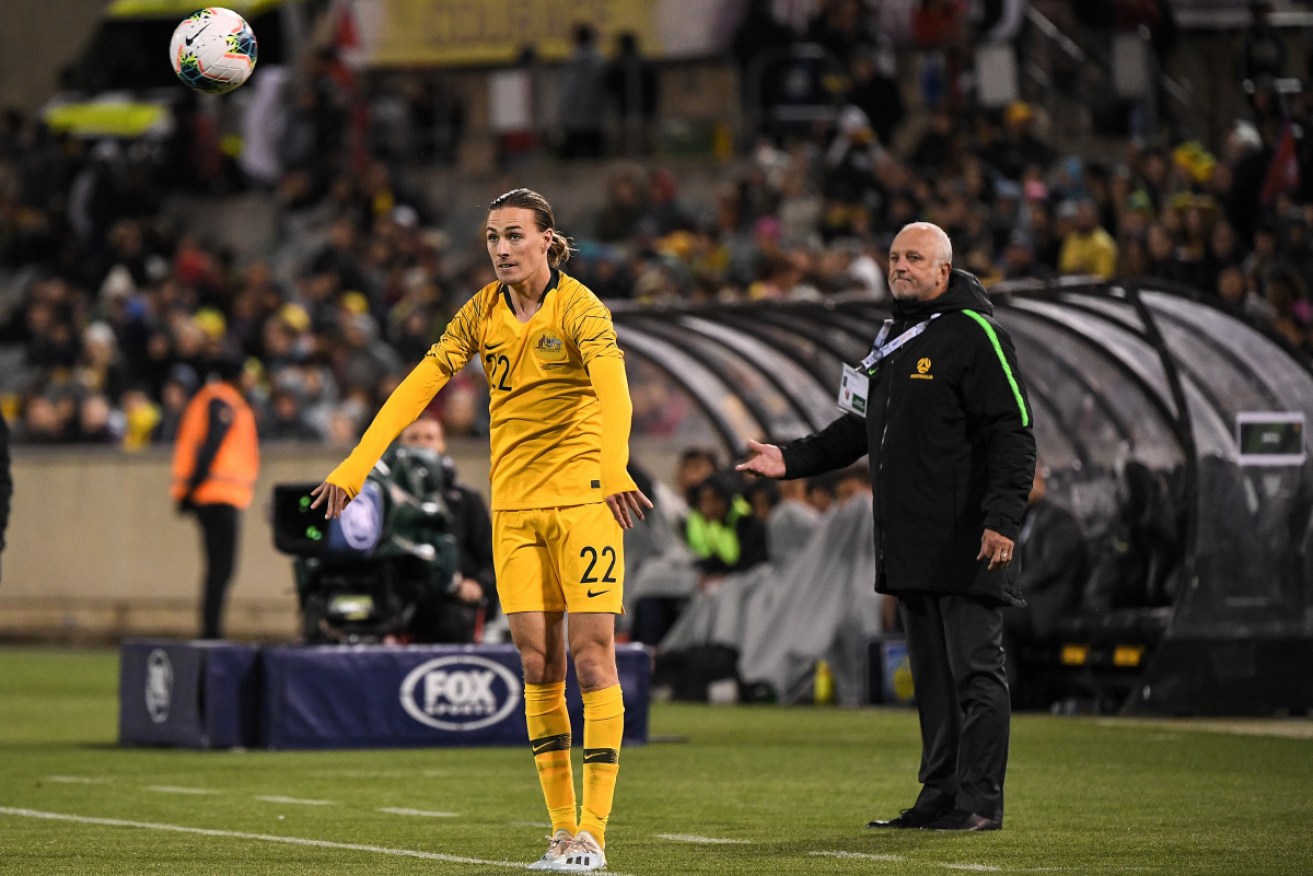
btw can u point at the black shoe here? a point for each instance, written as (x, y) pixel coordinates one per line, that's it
(960, 819)
(909, 819)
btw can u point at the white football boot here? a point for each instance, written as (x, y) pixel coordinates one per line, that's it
(584, 854)
(555, 854)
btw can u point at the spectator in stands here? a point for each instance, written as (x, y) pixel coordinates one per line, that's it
(285, 419)
(41, 424)
(1287, 294)
(1263, 51)
(1087, 248)
(97, 421)
(757, 46)
(582, 97)
(1018, 147)
(632, 87)
(1163, 262)
(1223, 250)
(625, 211)
(1019, 261)
(947, 559)
(174, 394)
(852, 162)
(100, 367)
(458, 615)
(141, 418)
(939, 28)
(875, 90)
(1231, 288)
(941, 146)
(362, 358)
(216, 460)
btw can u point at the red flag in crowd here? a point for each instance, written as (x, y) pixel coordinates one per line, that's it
(1283, 172)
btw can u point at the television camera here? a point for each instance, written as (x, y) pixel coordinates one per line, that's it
(368, 575)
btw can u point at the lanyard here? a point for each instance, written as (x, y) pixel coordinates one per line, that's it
(881, 350)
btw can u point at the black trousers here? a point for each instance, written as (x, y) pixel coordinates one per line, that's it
(955, 645)
(219, 530)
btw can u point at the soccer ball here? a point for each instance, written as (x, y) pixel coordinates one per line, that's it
(213, 50)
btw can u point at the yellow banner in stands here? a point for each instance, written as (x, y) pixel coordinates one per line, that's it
(182, 8)
(446, 32)
(108, 118)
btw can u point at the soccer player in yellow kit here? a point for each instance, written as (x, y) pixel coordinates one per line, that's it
(560, 419)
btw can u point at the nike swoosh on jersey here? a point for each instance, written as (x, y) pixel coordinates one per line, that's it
(591, 594)
(198, 33)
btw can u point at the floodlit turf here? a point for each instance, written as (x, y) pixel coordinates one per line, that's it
(772, 790)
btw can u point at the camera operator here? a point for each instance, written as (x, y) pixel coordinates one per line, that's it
(459, 616)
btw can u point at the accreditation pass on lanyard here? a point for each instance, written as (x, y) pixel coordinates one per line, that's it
(855, 385)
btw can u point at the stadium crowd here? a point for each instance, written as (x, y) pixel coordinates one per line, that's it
(109, 312)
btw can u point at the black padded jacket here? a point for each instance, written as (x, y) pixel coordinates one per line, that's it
(952, 449)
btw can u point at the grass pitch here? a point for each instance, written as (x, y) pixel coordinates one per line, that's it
(748, 790)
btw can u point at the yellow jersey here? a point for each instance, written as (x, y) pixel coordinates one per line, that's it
(546, 422)
(544, 408)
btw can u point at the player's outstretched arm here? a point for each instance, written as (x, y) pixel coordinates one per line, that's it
(766, 460)
(405, 403)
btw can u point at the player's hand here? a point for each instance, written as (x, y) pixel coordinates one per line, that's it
(332, 497)
(996, 548)
(766, 460)
(628, 505)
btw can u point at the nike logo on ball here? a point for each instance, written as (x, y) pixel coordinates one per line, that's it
(198, 33)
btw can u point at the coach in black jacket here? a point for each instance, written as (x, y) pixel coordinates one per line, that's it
(952, 455)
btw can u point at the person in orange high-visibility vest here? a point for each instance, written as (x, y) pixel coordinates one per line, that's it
(216, 459)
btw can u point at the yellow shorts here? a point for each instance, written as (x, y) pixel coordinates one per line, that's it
(559, 559)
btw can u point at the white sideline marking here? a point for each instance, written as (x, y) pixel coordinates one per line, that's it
(980, 868)
(861, 856)
(296, 801)
(76, 780)
(264, 837)
(704, 840)
(176, 789)
(378, 774)
(393, 810)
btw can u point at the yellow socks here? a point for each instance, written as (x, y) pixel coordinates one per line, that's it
(604, 726)
(549, 736)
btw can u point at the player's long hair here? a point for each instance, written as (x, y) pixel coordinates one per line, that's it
(559, 250)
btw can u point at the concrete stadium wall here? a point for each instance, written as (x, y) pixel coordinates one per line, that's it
(95, 551)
